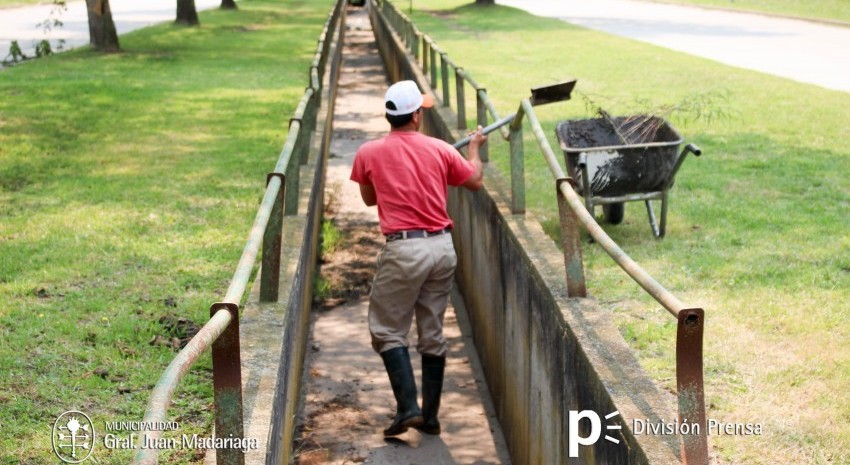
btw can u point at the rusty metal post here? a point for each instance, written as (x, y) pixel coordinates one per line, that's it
(322, 46)
(481, 110)
(313, 113)
(517, 167)
(417, 39)
(689, 382)
(227, 383)
(270, 275)
(293, 173)
(404, 32)
(317, 62)
(426, 54)
(461, 99)
(315, 82)
(571, 243)
(445, 75)
(301, 150)
(433, 67)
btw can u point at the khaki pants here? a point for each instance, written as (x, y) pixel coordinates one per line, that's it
(414, 277)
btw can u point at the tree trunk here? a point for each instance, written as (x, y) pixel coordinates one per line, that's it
(485, 2)
(102, 33)
(187, 14)
(228, 4)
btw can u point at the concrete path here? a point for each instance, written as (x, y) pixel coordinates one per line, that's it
(348, 397)
(20, 23)
(800, 50)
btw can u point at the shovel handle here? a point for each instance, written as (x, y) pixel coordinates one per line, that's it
(490, 128)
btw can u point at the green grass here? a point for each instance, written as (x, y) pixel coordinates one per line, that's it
(20, 3)
(128, 183)
(757, 230)
(331, 238)
(832, 10)
(14, 3)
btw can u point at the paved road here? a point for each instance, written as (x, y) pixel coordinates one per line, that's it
(20, 23)
(800, 50)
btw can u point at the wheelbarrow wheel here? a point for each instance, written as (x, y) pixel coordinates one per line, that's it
(614, 212)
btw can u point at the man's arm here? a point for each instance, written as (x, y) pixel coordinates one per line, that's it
(370, 197)
(476, 180)
(360, 176)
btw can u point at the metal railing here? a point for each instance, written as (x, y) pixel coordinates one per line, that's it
(221, 332)
(572, 214)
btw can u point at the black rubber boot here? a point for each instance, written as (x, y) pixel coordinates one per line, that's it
(397, 363)
(433, 369)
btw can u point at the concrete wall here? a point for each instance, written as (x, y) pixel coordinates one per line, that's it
(543, 353)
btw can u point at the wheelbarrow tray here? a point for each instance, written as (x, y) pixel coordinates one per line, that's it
(613, 168)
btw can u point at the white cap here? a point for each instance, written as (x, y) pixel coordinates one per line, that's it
(404, 98)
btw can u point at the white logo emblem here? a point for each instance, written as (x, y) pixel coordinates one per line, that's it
(595, 429)
(73, 437)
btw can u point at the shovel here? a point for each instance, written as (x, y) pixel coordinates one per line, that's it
(539, 96)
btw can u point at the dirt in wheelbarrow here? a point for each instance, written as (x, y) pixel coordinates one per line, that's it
(591, 133)
(600, 132)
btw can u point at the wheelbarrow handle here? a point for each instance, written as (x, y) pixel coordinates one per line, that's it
(690, 148)
(693, 148)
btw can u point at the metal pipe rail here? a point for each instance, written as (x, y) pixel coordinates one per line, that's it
(221, 332)
(572, 213)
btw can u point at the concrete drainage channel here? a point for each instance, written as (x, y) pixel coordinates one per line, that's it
(347, 398)
(545, 357)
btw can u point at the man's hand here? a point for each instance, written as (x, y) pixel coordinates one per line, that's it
(476, 181)
(478, 138)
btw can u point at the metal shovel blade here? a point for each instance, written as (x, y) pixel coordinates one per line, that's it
(552, 93)
(539, 96)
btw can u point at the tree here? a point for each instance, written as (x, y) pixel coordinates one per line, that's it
(102, 33)
(228, 5)
(485, 2)
(187, 14)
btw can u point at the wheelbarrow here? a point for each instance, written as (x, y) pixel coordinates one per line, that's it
(615, 160)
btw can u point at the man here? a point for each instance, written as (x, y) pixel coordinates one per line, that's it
(406, 174)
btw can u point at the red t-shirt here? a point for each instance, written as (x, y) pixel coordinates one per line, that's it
(410, 172)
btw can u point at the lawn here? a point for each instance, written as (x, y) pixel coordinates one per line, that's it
(14, 3)
(128, 184)
(832, 10)
(757, 231)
